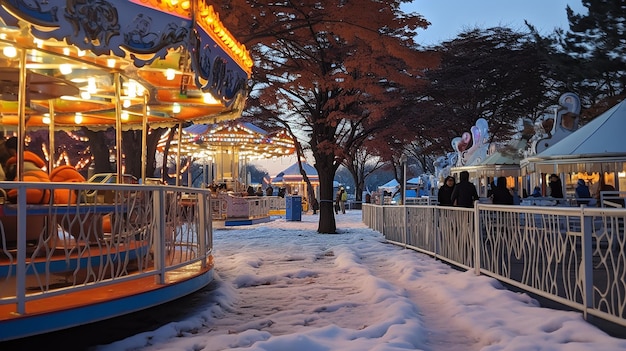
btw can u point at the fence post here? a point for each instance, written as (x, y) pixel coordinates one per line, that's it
(587, 261)
(406, 215)
(158, 218)
(477, 237)
(202, 225)
(437, 229)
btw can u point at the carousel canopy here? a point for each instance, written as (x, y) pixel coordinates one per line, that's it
(600, 139)
(176, 57)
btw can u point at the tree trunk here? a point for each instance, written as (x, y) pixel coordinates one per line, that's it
(132, 151)
(131, 143)
(326, 173)
(99, 151)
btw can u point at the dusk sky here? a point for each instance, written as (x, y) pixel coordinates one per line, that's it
(449, 17)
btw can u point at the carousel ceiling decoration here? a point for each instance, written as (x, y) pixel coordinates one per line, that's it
(241, 138)
(177, 51)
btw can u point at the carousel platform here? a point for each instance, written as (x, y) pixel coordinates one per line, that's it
(232, 222)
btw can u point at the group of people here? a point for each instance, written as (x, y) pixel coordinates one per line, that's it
(251, 192)
(340, 200)
(461, 194)
(464, 193)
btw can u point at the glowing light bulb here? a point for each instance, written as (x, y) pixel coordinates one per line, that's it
(91, 85)
(132, 89)
(65, 68)
(9, 51)
(209, 99)
(176, 107)
(78, 118)
(170, 74)
(124, 116)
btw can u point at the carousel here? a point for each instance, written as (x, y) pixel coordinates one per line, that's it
(105, 250)
(223, 150)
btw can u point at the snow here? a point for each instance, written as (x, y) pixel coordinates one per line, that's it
(282, 286)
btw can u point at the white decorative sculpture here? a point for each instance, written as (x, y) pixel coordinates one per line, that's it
(472, 148)
(565, 122)
(443, 164)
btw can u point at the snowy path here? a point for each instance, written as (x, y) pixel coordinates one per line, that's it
(283, 287)
(443, 333)
(326, 282)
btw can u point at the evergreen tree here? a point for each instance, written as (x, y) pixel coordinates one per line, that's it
(595, 41)
(496, 74)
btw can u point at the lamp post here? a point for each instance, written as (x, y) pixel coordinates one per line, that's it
(403, 160)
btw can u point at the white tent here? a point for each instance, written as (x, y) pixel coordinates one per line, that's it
(391, 186)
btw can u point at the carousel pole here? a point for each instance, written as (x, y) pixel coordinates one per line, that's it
(189, 170)
(180, 140)
(51, 141)
(21, 112)
(20, 269)
(144, 136)
(118, 126)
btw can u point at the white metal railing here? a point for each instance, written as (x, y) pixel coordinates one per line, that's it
(225, 205)
(573, 255)
(615, 199)
(113, 233)
(277, 203)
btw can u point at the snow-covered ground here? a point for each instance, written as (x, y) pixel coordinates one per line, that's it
(281, 286)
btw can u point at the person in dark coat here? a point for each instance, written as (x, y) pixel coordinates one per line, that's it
(583, 196)
(556, 187)
(464, 193)
(536, 192)
(444, 196)
(501, 194)
(250, 191)
(259, 191)
(315, 205)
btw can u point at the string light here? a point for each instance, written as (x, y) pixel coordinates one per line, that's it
(65, 68)
(170, 74)
(9, 51)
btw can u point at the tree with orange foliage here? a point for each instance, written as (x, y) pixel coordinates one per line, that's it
(333, 71)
